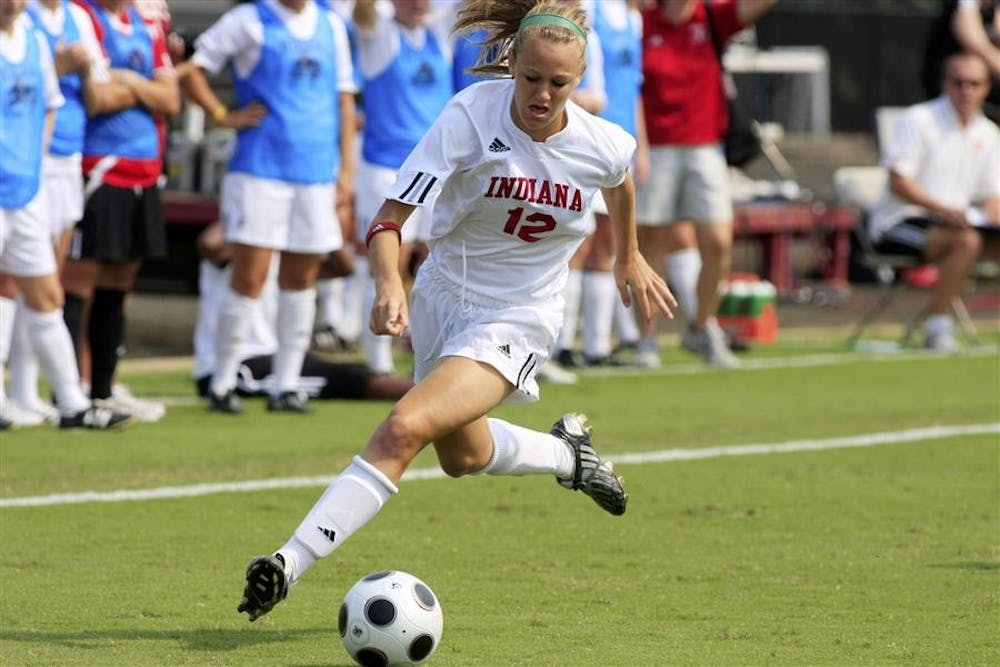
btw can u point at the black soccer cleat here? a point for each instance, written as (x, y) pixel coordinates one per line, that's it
(289, 401)
(228, 403)
(266, 586)
(592, 474)
(96, 418)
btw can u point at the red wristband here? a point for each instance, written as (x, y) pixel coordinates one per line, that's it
(382, 226)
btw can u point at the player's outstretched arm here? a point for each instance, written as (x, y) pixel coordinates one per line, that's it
(390, 315)
(636, 280)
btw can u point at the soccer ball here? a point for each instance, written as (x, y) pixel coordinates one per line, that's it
(390, 618)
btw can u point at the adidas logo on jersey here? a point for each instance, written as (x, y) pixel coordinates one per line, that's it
(498, 146)
(330, 534)
(504, 349)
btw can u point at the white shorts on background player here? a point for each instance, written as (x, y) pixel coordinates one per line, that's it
(372, 184)
(266, 213)
(685, 183)
(25, 245)
(62, 189)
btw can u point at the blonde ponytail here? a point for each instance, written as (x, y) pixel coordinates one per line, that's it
(558, 21)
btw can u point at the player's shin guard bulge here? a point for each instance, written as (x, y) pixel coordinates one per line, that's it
(591, 474)
(266, 586)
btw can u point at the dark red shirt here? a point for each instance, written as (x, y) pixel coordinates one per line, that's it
(682, 91)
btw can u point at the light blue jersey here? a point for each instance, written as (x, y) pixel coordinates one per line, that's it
(403, 101)
(622, 68)
(71, 121)
(297, 141)
(131, 132)
(22, 118)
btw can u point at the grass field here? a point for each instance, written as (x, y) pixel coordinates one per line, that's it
(861, 536)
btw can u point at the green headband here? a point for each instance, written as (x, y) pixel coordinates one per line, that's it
(552, 19)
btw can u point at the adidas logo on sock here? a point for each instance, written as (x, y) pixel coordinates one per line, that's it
(330, 534)
(498, 146)
(504, 349)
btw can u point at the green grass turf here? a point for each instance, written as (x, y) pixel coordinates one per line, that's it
(881, 555)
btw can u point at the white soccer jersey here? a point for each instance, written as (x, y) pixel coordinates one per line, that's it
(509, 212)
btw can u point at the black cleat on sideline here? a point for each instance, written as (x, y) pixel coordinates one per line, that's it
(266, 586)
(98, 419)
(592, 474)
(289, 401)
(228, 403)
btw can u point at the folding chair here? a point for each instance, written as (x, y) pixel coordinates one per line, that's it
(861, 187)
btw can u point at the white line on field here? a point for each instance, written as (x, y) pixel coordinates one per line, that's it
(863, 440)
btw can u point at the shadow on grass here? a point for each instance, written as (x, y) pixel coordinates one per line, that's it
(203, 639)
(976, 565)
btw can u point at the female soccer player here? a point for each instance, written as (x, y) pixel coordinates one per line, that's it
(512, 166)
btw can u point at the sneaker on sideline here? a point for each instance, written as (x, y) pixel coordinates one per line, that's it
(48, 412)
(123, 400)
(647, 354)
(939, 334)
(19, 416)
(96, 418)
(228, 403)
(289, 401)
(710, 344)
(556, 374)
(943, 343)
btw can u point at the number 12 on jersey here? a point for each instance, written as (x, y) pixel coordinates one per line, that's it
(532, 228)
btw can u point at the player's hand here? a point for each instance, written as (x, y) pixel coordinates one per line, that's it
(390, 314)
(71, 58)
(639, 285)
(249, 116)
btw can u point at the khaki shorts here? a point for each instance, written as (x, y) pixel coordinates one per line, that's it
(685, 183)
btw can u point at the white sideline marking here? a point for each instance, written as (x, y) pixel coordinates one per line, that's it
(863, 440)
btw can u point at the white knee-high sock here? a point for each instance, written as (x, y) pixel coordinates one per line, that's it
(625, 324)
(329, 302)
(521, 451)
(352, 500)
(235, 314)
(683, 268)
(8, 308)
(22, 365)
(571, 311)
(378, 349)
(296, 312)
(54, 349)
(598, 312)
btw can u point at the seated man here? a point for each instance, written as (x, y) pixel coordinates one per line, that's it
(320, 378)
(942, 201)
